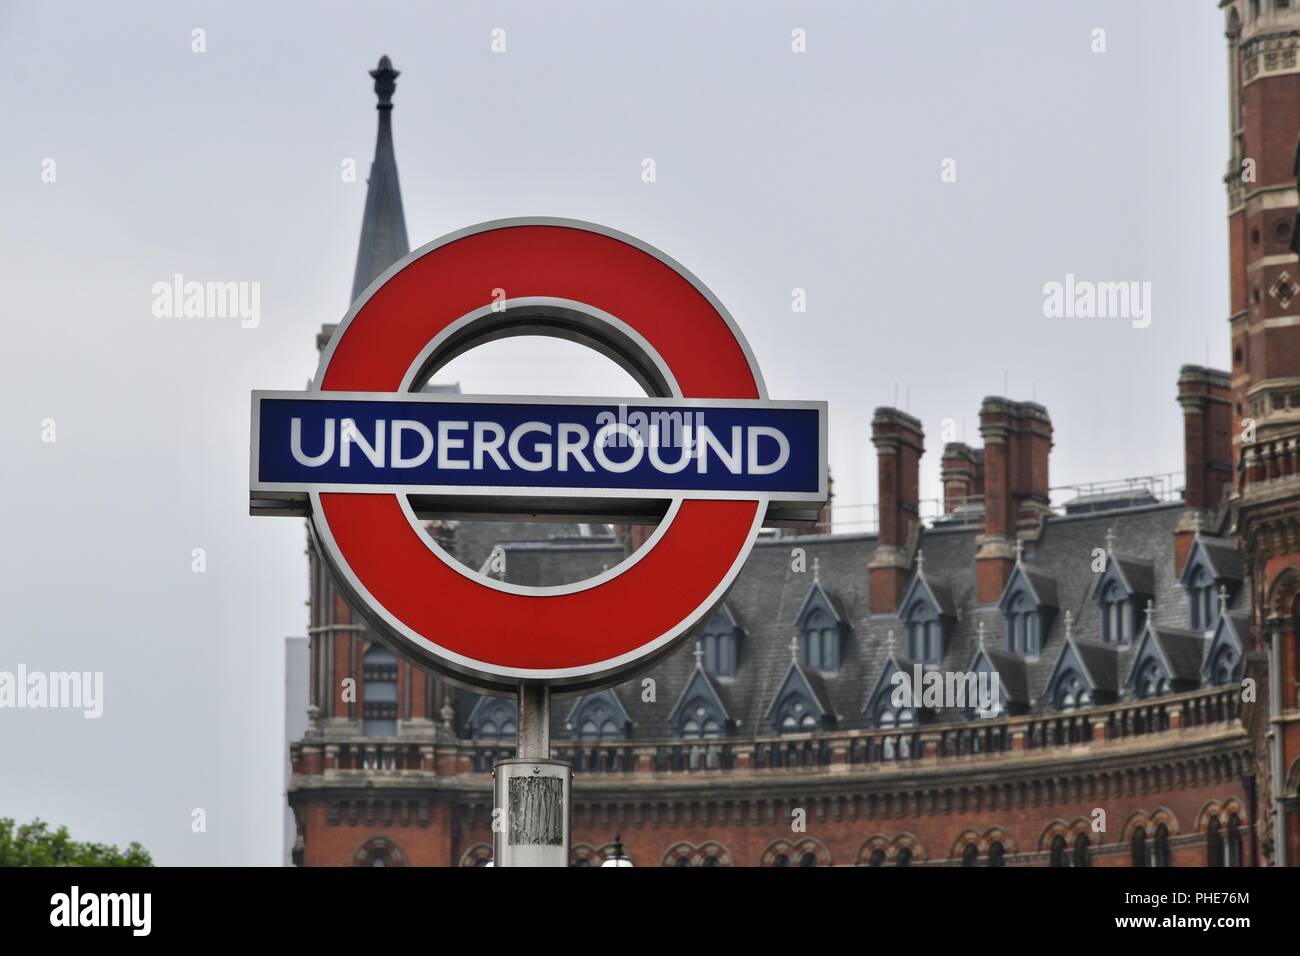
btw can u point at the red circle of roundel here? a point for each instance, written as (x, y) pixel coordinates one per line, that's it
(500, 634)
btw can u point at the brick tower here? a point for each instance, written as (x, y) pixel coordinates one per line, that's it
(1264, 102)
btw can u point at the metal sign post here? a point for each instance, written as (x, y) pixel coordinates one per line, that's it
(531, 822)
(368, 456)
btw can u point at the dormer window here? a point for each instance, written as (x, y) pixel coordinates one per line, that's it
(1072, 692)
(720, 641)
(924, 638)
(820, 638)
(598, 716)
(1151, 681)
(1201, 599)
(926, 612)
(821, 630)
(1212, 573)
(1115, 615)
(1028, 606)
(1125, 588)
(800, 702)
(1022, 626)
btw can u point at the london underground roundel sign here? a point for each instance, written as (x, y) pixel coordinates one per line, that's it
(366, 454)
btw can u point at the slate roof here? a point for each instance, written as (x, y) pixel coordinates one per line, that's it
(1183, 651)
(768, 594)
(1224, 560)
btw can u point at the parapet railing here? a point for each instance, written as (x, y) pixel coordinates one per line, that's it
(920, 744)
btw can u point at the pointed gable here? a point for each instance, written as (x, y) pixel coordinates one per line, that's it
(1011, 675)
(1081, 666)
(923, 589)
(1223, 658)
(598, 716)
(880, 698)
(818, 598)
(1166, 660)
(1040, 586)
(801, 702)
(1135, 575)
(822, 624)
(700, 708)
(1216, 555)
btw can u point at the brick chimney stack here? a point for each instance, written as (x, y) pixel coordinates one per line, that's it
(900, 443)
(963, 475)
(1017, 446)
(1205, 395)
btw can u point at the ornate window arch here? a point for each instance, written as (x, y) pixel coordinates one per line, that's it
(1214, 855)
(1151, 680)
(1072, 691)
(379, 851)
(807, 852)
(493, 718)
(599, 716)
(480, 854)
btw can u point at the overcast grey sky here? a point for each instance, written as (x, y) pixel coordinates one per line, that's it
(775, 170)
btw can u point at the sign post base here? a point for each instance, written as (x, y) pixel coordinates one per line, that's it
(531, 819)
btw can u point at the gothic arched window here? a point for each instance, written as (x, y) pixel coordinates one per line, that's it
(719, 641)
(877, 858)
(904, 857)
(1151, 680)
(379, 674)
(1059, 855)
(1224, 666)
(820, 639)
(1114, 614)
(924, 641)
(1202, 601)
(1213, 843)
(971, 855)
(1139, 847)
(1234, 840)
(1072, 692)
(493, 719)
(997, 854)
(1160, 847)
(797, 715)
(1022, 625)
(1082, 850)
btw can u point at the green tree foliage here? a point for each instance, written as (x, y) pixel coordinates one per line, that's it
(35, 844)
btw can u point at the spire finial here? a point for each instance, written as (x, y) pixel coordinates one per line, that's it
(1110, 539)
(1149, 608)
(699, 655)
(1223, 598)
(1020, 549)
(889, 644)
(1196, 522)
(794, 649)
(1069, 624)
(817, 570)
(920, 560)
(981, 635)
(385, 82)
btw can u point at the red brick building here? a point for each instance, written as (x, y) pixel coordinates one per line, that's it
(1139, 719)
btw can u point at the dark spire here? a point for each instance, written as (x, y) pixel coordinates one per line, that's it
(383, 229)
